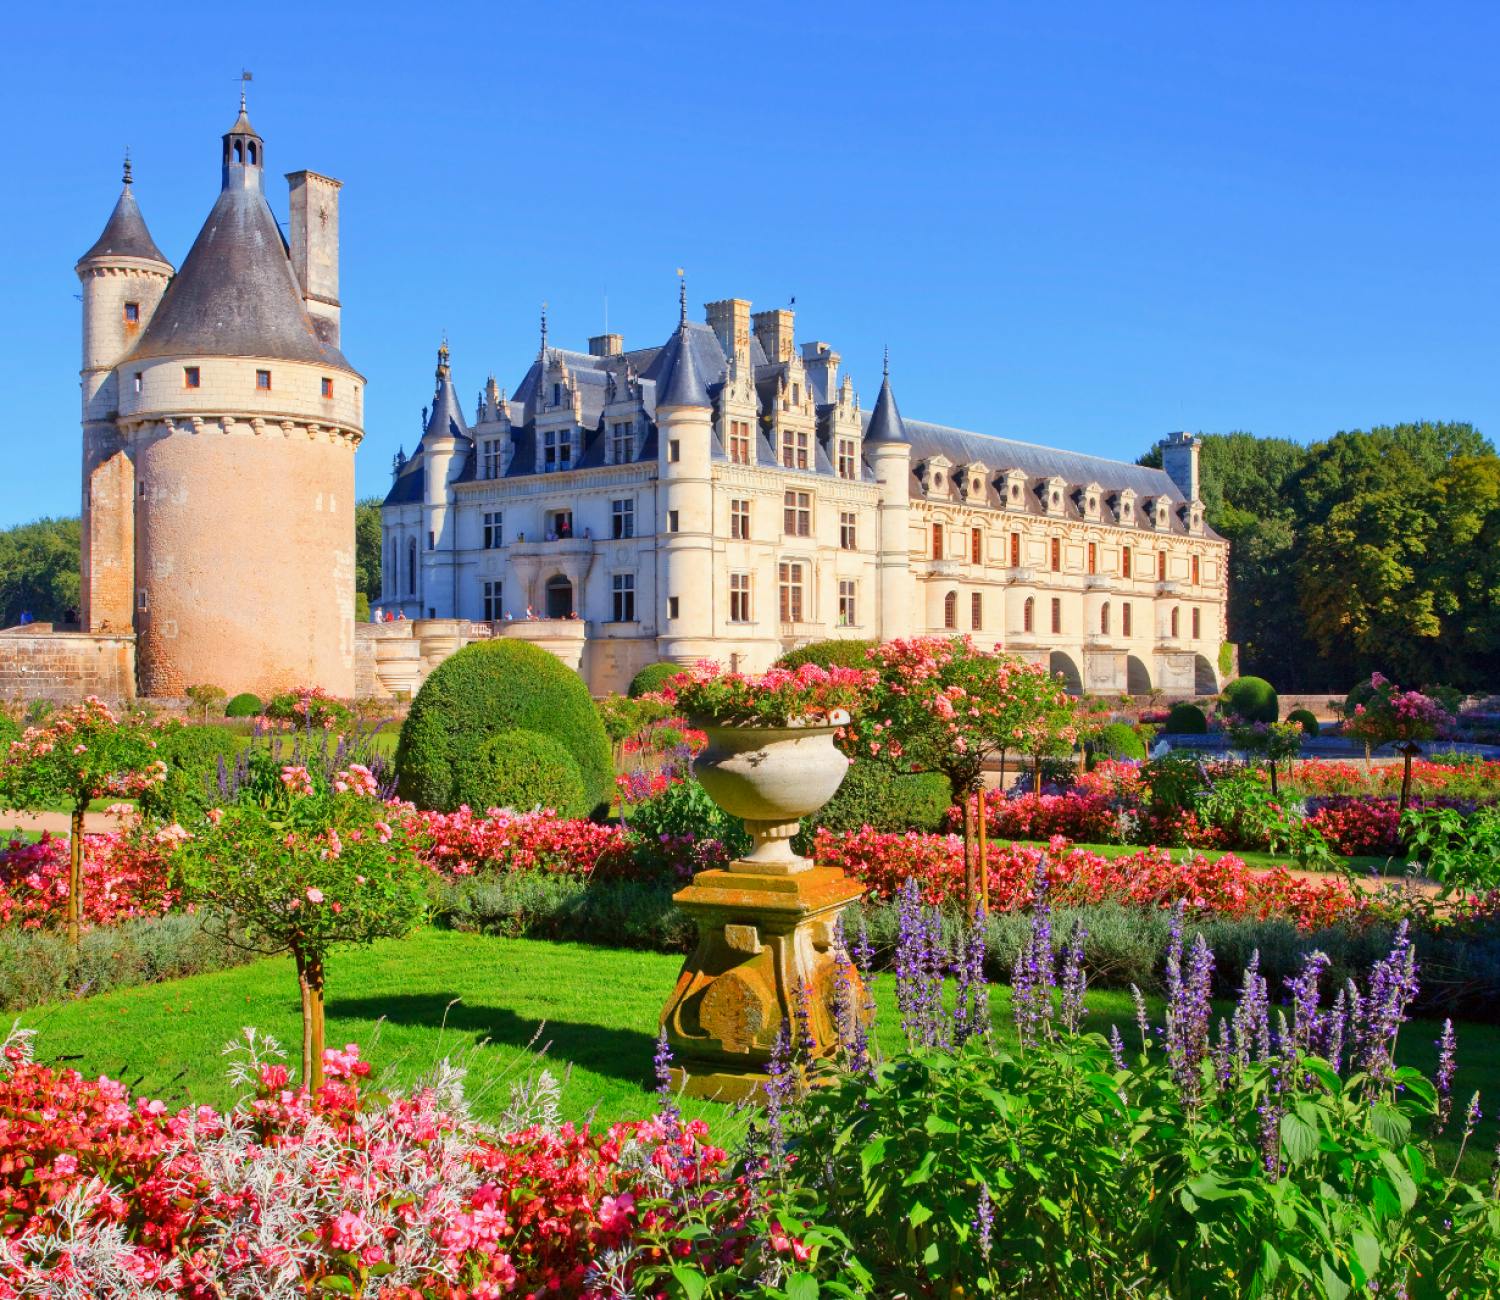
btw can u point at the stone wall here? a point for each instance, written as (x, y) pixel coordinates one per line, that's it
(39, 664)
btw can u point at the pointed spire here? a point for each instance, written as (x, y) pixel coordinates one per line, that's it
(885, 366)
(886, 424)
(681, 298)
(126, 177)
(125, 233)
(542, 353)
(446, 420)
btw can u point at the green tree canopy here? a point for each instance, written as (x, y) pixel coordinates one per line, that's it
(39, 571)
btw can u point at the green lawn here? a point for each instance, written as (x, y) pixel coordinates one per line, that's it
(496, 1004)
(1251, 858)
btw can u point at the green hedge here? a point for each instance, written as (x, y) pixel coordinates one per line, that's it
(192, 755)
(244, 705)
(1252, 698)
(9, 730)
(836, 653)
(522, 770)
(490, 687)
(1310, 724)
(1186, 720)
(874, 794)
(1119, 740)
(651, 678)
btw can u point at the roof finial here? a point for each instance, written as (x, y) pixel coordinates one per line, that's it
(542, 355)
(245, 77)
(127, 165)
(885, 367)
(681, 297)
(442, 365)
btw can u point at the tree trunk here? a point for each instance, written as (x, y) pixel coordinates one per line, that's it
(968, 855)
(1036, 776)
(984, 863)
(1274, 791)
(310, 982)
(1406, 758)
(1001, 786)
(75, 874)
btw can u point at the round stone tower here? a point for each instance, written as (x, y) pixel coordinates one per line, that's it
(240, 417)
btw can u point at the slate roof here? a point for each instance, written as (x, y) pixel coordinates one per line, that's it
(679, 381)
(236, 294)
(125, 233)
(885, 423)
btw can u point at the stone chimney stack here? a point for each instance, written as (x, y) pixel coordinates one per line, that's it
(774, 330)
(1179, 457)
(822, 361)
(606, 345)
(315, 247)
(730, 321)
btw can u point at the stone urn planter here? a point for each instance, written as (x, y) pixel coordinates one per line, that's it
(766, 925)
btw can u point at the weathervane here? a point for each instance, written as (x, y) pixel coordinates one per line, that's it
(244, 79)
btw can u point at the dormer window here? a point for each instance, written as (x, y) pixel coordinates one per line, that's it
(937, 479)
(556, 394)
(557, 449)
(847, 461)
(191, 377)
(1015, 491)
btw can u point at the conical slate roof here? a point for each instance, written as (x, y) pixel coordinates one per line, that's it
(886, 424)
(237, 295)
(125, 233)
(678, 380)
(447, 418)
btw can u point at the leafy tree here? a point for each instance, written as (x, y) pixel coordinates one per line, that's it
(39, 564)
(367, 549)
(206, 699)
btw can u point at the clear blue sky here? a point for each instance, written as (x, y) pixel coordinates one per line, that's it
(1081, 224)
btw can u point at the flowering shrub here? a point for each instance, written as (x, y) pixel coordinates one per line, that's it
(125, 875)
(292, 1193)
(1389, 713)
(1076, 814)
(1354, 826)
(777, 697)
(1150, 878)
(305, 707)
(464, 844)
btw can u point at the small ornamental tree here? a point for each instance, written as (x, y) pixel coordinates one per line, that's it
(79, 755)
(1390, 714)
(1276, 742)
(206, 698)
(941, 704)
(304, 866)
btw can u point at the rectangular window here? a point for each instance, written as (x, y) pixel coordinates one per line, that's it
(937, 541)
(431, 540)
(1056, 555)
(1125, 562)
(622, 517)
(549, 449)
(624, 596)
(327, 386)
(848, 612)
(1161, 567)
(142, 602)
(1197, 624)
(794, 449)
(622, 442)
(1056, 614)
(492, 530)
(671, 521)
(739, 442)
(263, 380)
(1125, 618)
(490, 458)
(1093, 558)
(1196, 571)
(976, 546)
(791, 591)
(739, 520)
(674, 450)
(739, 597)
(492, 609)
(1015, 550)
(848, 530)
(848, 465)
(671, 606)
(564, 448)
(191, 377)
(976, 611)
(798, 514)
(138, 380)
(132, 313)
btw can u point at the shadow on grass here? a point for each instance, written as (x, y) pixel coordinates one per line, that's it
(624, 1054)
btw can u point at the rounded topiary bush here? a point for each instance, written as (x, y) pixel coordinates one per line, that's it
(244, 705)
(1252, 698)
(1186, 720)
(652, 678)
(839, 653)
(1119, 740)
(522, 770)
(1310, 725)
(490, 687)
(876, 795)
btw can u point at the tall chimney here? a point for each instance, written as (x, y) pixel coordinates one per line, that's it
(774, 330)
(315, 247)
(1179, 457)
(729, 319)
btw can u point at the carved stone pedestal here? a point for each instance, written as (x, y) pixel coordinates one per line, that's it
(760, 937)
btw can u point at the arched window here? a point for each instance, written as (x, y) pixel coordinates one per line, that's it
(1197, 624)
(976, 611)
(411, 566)
(1175, 621)
(250, 153)
(1104, 618)
(239, 151)
(950, 610)
(1028, 614)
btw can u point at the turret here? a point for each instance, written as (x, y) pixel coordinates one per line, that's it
(244, 155)
(889, 450)
(1179, 457)
(684, 416)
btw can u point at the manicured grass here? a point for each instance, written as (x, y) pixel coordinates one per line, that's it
(1250, 857)
(496, 1004)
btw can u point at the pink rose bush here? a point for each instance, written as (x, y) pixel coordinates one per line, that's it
(293, 1193)
(463, 843)
(1150, 878)
(126, 875)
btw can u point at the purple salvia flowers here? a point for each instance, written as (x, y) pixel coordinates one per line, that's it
(1142, 1020)
(1393, 984)
(984, 1221)
(1251, 1023)
(1447, 1066)
(1307, 1020)
(779, 1090)
(1074, 981)
(972, 1003)
(1117, 1047)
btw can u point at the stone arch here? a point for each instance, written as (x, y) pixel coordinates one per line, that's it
(1205, 679)
(1137, 676)
(559, 597)
(1061, 665)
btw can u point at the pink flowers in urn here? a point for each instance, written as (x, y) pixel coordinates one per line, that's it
(808, 693)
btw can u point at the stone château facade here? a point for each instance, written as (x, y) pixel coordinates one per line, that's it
(220, 422)
(726, 496)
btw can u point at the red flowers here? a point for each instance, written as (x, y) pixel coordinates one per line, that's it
(125, 875)
(464, 844)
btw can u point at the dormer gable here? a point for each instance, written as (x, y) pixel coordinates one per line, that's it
(1054, 493)
(1013, 489)
(1090, 496)
(1191, 514)
(935, 475)
(973, 481)
(1124, 503)
(1161, 514)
